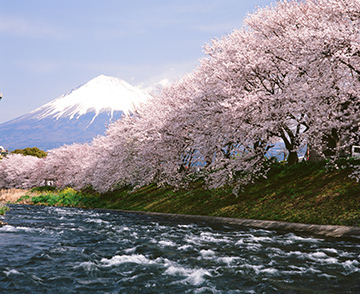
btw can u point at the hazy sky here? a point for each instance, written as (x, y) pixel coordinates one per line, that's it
(48, 47)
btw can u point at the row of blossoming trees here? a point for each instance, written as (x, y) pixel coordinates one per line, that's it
(291, 75)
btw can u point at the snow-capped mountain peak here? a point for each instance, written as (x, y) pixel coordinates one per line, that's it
(75, 117)
(100, 94)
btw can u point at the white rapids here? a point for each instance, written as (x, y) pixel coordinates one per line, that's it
(76, 251)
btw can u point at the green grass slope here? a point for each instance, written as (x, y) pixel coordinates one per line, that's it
(304, 193)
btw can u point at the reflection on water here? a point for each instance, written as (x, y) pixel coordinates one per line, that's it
(66, 250)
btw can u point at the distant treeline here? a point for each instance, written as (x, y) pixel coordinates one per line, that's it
(34, 151)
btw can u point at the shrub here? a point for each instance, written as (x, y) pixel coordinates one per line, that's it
(68, 197)
(44, 189)
(34, 151)
(3, 209)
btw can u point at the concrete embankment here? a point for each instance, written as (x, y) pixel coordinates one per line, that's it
(318, 230)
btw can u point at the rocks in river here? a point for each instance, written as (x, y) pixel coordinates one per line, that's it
(3, 223)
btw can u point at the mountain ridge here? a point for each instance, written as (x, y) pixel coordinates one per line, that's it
(75, 117)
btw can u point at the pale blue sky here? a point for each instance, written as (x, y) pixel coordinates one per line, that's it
(49, 47)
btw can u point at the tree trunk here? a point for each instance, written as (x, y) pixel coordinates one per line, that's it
(293, 158)
(314, 156)
(331, 141)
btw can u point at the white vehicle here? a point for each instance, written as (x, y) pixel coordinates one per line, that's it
(355, 151)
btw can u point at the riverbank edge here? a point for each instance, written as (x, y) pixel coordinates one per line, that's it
(317, 230)
(333, 231)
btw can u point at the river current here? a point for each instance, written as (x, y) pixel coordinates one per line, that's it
(68, 250)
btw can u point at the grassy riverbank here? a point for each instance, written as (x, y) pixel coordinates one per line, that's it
(305, 193)
(3, 209)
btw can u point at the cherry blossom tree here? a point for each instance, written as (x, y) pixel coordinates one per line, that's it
(67, 166)
(136, 149)
(315, 43)
(17, 171)
(278, 80)
(291, 75)
(273, 80)
(115, 156)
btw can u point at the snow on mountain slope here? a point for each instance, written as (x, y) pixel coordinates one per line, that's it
(102, 93)
(75, 117)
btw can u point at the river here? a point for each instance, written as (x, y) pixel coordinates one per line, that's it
(69, 250)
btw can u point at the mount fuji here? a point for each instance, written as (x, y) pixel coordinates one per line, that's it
(75, 117)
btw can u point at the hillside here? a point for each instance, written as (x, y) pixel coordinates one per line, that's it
(305, 193)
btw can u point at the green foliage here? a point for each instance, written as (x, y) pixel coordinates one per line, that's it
(23, 198)
(44, 189)
(306, 193)
(68, 197)
(3, 209)
(34, 151)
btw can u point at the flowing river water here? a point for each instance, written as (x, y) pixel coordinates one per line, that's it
(68, 250)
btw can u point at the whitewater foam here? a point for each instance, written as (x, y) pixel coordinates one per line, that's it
(11, 272)
(120, 259)
(120, 253)
(196, 277)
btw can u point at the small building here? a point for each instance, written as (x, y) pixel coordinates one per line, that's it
(3, 151)
(355, 151)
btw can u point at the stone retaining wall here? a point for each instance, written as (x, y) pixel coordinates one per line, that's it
(318, 230)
